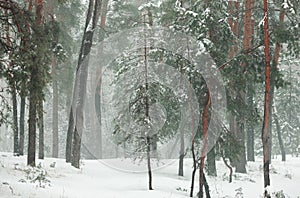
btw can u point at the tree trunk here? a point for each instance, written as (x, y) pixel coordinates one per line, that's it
(22, 121)
(274, 70)
(98, 112)
(201, 177)
(32, 121)
(229, 167)
(54, 111)
(194, 166)
(240, 134)
(279, 135)
(69, 141)
(265, 130)
(98, 91)
(250, 128)
(233, 10)
(15, 119)
(241, 161)
(148, 142)
(81, 75)
(248, 34)
(75, 160)
(211, 163)
(181, 154)
(232, 128)
(34, 96)
(205, 123)
(206, 186)
(55, 94)
(41, 128)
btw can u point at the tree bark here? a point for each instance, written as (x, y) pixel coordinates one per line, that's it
(34, 95)
(41, 128)
(147, 106)
(181, 154)
(205, 123)
(32, 120)
(240, 134)
(15, 119)
(55, 137)
(265, 128)
(81, 75)
(211, 163)
(22, 120)
(69, 141)
(233, 11)
(279, 135)
(194, 166)
(248, 34)
(274, 70)
(250, 127)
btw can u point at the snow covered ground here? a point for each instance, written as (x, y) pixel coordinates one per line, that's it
(54, 178)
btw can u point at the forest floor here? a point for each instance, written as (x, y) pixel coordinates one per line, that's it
(57, 179)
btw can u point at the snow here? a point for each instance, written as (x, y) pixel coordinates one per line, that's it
(95, 179)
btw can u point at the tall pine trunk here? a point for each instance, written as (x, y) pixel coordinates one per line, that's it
(22, 120)
(70, 137)
(147, 108)
(250, 127)
(54, 111)
(55, 93)
(81, 79)
(34, 93)
(205, 123)
(279, 135)
(274, 70)
(15, 119)
(250, 86)
(41, 128)
(265, 128)
(211, 162)
(181, 154)
(32, 119)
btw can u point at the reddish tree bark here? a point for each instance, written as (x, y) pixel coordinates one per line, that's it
(265, 130)
(205, 122)
(233, 9)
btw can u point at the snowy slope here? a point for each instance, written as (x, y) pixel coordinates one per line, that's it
(95, 179)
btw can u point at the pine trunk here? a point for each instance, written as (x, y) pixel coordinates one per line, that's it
(81, 74)
(250, 127)
(69, 141)
(241, 161)
(41, 128)
(194, 167)
(205, 123)
(15, 119)
(22, 121)
(55, 94)
(181, 154)
(279, 135)
(34, 95)
(211, 163)
(54, 111)
(265, 130)
(32, 123)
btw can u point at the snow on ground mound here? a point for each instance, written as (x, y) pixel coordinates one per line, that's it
(54, 178)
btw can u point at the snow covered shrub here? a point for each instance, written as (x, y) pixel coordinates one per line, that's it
(239, 193)
(37, 174)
